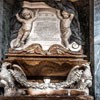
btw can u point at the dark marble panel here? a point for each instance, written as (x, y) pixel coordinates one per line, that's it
(97, 71)
(96, 19)
(7, 11)
(1, 28)
(97, 47)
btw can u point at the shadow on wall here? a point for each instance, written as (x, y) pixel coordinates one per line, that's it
(9, 9)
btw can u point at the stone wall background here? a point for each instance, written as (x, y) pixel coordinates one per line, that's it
(1, 27)
(8, 10)
(7, 13)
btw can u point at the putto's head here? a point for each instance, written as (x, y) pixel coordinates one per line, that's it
(26, 13)
(65, 14)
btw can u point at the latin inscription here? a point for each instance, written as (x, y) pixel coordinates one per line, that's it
(46, 29)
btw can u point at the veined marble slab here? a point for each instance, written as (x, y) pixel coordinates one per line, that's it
(97, 47)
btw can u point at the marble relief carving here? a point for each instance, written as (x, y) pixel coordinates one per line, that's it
(78, 78)
(48, 45)
(55, 22)
(24, 31)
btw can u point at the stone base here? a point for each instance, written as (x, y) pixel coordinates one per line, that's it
(48, 98)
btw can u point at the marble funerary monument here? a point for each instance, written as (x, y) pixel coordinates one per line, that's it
(46, 58)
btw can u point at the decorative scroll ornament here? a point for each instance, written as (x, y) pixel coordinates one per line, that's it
(35, 49)
(75, 47)
(56, 50)
(53, 50)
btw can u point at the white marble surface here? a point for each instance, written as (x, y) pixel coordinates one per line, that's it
(45, 30)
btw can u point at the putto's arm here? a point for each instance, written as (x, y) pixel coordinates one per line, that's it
(18, 18)
(58, 14)
(71, 16)
(36, 15)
